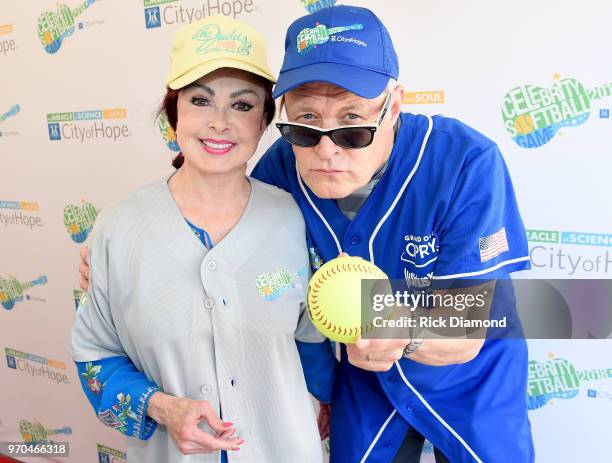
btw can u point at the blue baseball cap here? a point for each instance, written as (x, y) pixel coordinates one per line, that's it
(343, 45)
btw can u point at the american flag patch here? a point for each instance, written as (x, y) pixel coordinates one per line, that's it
(493, 245)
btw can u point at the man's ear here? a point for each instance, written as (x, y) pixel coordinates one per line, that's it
(395, 107)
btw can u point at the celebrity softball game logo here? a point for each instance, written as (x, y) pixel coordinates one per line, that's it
(13, 291)
(82, 126)
(110, 455)
(315, 5)
(35, 365)
(167, 133)
(533, 115)
(7, 44)
(33, 432)
(310, 37)
(12, 112)
(57, 25)
(571, 253)
(158, 13)
(270, 286)
(79, 220)
(77, 294)
(558, 379)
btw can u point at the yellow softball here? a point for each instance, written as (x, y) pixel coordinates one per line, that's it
(335, 297)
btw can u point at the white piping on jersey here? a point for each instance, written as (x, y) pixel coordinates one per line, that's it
(401, 191)
(422, 265)
(481, 272)
(378, 434)
(371, 249)
(297, 171)
(433, 412)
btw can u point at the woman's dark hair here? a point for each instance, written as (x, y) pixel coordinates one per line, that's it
(169, 107)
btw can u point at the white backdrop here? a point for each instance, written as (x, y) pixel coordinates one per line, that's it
(78, 132)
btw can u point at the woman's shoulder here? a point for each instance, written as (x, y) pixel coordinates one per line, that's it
(132, 208)
(277, 199)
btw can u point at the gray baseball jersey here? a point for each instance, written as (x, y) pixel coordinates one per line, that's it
(216, 325)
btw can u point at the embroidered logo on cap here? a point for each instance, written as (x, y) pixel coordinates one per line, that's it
(309, 38)
(213, 40)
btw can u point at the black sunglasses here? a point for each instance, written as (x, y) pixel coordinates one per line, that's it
(347, 136)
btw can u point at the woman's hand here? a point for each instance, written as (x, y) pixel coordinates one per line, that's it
(181, 417)
(84, 268)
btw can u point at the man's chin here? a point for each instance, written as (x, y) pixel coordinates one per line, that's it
(330, 189)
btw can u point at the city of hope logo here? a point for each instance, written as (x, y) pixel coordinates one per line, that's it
(158, 13)
(7, 45)
(562, 250)
(424, 97)
(35, 365)
(110, 455)
(533, 115)
(558, 379)
(55, 26)
(16, 217)
(79, 220)
(80, 126)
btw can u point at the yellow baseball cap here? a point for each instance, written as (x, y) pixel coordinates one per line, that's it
(212, 43)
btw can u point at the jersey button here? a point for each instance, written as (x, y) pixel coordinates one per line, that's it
(206, 389)
(392, 379)
(410, 407)
(209, 303)
(355, 239)
(212, 265)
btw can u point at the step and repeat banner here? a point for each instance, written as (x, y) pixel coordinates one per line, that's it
(80, 84)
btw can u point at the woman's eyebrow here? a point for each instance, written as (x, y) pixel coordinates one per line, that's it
(203, 87)
(242, 92)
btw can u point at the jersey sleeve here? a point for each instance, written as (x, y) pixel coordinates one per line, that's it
(116, 389)
(482, 234)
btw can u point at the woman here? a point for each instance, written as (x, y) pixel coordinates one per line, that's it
(197, 284)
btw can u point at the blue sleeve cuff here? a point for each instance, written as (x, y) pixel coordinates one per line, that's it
(119, 394)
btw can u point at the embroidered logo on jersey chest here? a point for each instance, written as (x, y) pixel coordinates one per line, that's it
(270, 286)
(420, 250)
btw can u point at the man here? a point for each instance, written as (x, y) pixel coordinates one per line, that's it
(424, 199)
(418, 180)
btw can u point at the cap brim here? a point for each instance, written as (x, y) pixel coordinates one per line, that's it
(362, 82)
(210, 66)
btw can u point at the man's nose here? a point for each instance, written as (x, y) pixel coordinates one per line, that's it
(326, 148)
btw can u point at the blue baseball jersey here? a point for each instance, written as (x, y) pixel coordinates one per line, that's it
(444, 208)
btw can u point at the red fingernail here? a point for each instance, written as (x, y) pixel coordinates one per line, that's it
(227, 424)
